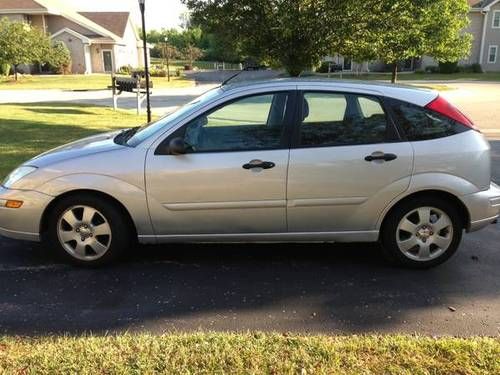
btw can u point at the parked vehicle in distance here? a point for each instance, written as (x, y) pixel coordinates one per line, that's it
(274, 161)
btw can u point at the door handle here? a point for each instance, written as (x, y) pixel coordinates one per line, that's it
(380, 156)
(259, 164)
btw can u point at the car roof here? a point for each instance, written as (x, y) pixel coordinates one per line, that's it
(412, 94)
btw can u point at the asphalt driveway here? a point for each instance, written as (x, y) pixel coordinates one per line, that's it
(304, 288)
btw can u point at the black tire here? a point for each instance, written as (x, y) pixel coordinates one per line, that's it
(119, 242)
(390, 226)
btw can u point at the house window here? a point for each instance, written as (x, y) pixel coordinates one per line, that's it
(496, 19)
(492, 54)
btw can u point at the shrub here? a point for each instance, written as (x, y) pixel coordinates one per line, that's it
(59, 58)
(158, 72)
(4, 69)
(125, 69)
(323, 68)
(448, 67)
(432, 69)
(477, 68)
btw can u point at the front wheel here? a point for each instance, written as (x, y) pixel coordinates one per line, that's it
(87, 231)
(422, 232)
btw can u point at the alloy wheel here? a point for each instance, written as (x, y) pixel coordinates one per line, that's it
(84, 232)
(424, 233)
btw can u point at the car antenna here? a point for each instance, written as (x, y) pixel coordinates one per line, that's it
(226, 81)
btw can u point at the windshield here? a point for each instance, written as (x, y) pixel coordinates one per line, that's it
(135, 136)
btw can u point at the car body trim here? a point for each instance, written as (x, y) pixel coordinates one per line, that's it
(25, 236)
(326, 202)
(344, 236)
(223, 205)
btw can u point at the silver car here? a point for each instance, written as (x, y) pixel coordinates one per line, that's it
(275, 161)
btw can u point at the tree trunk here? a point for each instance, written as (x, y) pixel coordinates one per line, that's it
(15, 72)
(394, 77)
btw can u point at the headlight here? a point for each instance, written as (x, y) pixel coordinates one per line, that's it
(17, 174)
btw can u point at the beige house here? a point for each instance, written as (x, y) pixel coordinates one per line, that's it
(99, 42)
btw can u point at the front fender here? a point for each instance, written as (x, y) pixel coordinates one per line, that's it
(130, 196)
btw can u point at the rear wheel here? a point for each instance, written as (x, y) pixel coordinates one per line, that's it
(87, 230)
(422, 232)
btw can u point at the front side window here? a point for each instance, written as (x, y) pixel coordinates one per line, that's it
(492, 54)
(334, 119)
(251, 123)
(422, 124)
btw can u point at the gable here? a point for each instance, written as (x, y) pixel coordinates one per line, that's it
(21, 5)
(116, 22)
(481, 3)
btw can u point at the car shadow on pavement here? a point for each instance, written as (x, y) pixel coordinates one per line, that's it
(281, 287)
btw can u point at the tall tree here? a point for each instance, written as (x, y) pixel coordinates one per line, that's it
(22, 44)
(294, 34)
(402, 29)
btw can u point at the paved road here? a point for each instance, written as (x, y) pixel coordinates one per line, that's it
(162, 100)
(304, 288)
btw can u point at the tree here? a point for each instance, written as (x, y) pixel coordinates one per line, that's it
(297, 34)
(59, 58)
(405, 29)
(192, 53)
(294, 34)
(22, 44)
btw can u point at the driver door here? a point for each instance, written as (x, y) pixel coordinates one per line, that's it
(232, 177)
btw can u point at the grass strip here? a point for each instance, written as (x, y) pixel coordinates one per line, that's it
(249, 353)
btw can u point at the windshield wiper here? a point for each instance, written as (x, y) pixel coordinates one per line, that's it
(125, 135)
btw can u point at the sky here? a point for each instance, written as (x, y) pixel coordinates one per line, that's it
(159, 13)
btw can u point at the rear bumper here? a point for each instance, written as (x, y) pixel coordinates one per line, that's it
(484, 207)
(22, 223)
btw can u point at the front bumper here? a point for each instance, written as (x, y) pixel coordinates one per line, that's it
(22, 223)
(484, 207)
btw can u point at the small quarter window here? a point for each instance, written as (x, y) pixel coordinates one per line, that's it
(421, 124)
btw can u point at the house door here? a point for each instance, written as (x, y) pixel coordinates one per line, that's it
(107, 59)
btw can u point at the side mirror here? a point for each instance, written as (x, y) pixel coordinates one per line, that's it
(177, 146)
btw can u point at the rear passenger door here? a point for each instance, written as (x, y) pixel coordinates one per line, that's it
(347, 162)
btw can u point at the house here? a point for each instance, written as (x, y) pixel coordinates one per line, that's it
(485, 28)
(99, 42)
(484, 16)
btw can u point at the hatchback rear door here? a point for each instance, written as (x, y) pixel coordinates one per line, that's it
(347, 163)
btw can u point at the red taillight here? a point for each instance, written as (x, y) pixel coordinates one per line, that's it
(441, 105)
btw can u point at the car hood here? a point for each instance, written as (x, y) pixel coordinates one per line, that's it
(83, 147)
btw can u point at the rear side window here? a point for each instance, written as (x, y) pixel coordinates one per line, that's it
(421, 124)
(337, 119)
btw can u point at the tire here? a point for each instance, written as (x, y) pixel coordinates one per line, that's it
(87, 230)
(410, 240)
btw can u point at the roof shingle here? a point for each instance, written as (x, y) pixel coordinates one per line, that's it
(116, 22)
(20, 4)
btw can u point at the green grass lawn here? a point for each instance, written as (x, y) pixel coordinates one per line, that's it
(257, 353)
(80, 82)
(29, 129)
